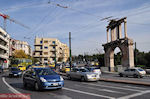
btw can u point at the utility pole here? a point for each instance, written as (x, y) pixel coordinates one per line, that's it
(135, 55)
(55, 57)
(70, 56)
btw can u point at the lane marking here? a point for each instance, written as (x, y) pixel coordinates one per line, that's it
(60, 96)
(126, 86)
(13, 89)
(135, 95)
(135, 87)
(112, 87)
(87, 93)
(107, 90)
(10, 87)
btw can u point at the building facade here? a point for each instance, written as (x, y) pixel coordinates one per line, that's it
(47, 49)
(4, 48)
(20, 45)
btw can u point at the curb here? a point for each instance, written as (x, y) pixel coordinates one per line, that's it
(125, 81)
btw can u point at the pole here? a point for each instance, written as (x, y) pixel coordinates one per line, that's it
(135, 55)
(55, 57)
(70, 57)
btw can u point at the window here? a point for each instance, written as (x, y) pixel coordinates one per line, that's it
(53, 42)
(45, 53)
(46, 41)
(54, 47)
(41, 42)
(40, 47)
(46, 47)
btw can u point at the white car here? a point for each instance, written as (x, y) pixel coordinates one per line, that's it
(83, 74)
(135, 72)
(95, 70)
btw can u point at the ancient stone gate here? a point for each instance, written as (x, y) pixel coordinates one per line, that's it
(124, 43)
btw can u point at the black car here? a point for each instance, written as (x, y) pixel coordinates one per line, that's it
(42, 78)
(13, 71)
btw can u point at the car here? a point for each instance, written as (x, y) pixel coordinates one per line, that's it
(66, 69)
(95, 70)
(42, 78)
(14, 71)
(135, 72)
(22, 68)
(82, 74)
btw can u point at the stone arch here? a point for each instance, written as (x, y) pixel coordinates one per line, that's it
(125, 44)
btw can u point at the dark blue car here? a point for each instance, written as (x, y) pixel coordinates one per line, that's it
(42, 78)
(13, 71)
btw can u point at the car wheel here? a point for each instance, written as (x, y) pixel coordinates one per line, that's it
(69, 77)
(82, 79)
(121, 75)
(24, 84)
(135, 76)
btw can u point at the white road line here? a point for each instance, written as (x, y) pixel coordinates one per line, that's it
(112, 87)
(10, 87)
(126, 86)
(87, 93)
(111, 91)
(135, 87)
(14, 90)
(135, 95)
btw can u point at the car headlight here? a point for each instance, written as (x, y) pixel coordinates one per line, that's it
(61, 79)
(20, 73)
(42, 79)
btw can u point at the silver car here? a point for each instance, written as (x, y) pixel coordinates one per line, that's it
(82, 74)
(135, 72)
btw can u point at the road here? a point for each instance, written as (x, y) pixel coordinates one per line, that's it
(74, 89)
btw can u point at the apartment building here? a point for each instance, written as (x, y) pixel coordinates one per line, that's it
(46, 49)
(4, 48)
(20, 45)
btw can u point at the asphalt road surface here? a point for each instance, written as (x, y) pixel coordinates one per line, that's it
(74, 89)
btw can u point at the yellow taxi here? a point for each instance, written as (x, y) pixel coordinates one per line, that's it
(52, 65)
(22, 68)
(66, 69)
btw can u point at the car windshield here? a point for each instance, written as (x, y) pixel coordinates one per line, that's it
(84, 70)
(45, 72)
(140, 70)
(14, 69)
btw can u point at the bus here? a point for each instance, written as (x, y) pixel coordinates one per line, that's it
(21, 63)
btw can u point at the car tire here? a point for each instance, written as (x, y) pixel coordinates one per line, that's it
(135, 76)
(69, 77)
(82, 79)
(24, 84)
(121, 75)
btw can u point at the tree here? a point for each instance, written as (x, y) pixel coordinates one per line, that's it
(19, 54)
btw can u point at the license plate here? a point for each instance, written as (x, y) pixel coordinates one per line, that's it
(94, 78)
(55, 84)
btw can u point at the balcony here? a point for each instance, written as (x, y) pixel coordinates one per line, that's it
(4, 47)
(38, 50)
(39, 44)
(53, 44)
(53, 50)
(4, 39)
(52, 56)
(5, 56)
(37, 55)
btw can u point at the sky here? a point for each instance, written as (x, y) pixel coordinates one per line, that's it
(45, 18)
